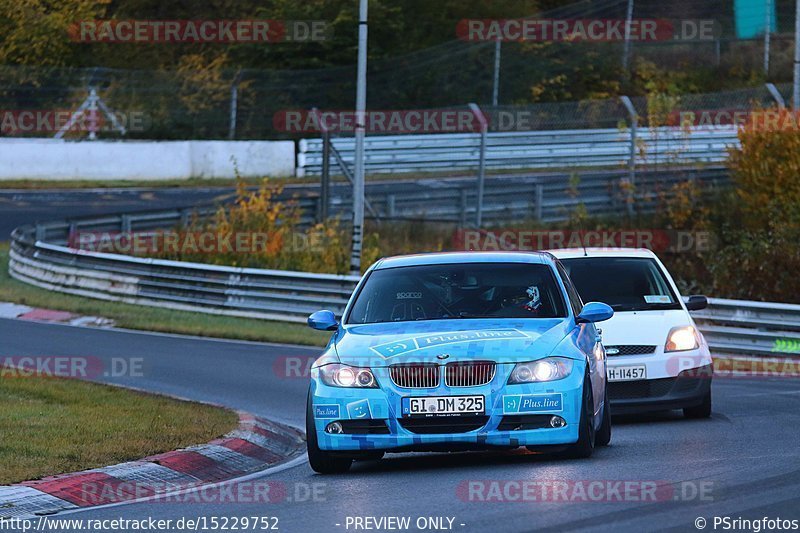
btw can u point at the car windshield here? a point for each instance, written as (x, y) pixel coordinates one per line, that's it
(624, 283)
(463, 291)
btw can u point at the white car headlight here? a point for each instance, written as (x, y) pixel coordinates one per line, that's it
(337, 375)
(547, 369)
(681, 339)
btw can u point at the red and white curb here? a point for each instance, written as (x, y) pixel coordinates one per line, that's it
(35, 314)
(255, 445)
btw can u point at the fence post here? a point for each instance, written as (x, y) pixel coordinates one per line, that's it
(496, 77)
(482, 163)
(390, 205)
(767, 34)
(632, 158)
(234, 105)
(626, 47)
(776, 95)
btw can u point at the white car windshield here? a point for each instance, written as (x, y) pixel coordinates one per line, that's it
(624, 283)
(478, 290)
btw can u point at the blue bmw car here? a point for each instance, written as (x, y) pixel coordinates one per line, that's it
(459, 351)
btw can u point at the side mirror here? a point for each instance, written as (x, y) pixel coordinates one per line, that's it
(696, 303)
(595, 312)
(323, 321)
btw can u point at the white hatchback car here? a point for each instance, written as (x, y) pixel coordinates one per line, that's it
(657, 358)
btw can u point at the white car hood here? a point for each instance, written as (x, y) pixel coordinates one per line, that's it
(642, 327)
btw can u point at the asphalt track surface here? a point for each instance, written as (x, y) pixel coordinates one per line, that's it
(745, 458)
(25, 206)
(19, 207)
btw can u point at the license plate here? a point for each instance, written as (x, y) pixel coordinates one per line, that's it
(627, 373)
(443, 406)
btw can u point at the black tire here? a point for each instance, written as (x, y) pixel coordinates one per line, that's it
(584, 448)
(375, 455)
(603, 437)
(320, 460)
(700, 411)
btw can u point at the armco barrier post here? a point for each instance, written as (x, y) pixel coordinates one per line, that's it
(325, 180)
(539, 201)
(324, 190)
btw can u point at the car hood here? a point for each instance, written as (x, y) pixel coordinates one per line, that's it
(503, 341)
(642, 327)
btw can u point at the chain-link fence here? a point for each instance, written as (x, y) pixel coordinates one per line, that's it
(243, 104)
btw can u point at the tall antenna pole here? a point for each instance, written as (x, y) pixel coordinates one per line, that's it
(796, 88)
(361, 106)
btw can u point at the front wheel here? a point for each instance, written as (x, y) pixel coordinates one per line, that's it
(586, 432)
(701, 411)
(603, 437)
(320, 460)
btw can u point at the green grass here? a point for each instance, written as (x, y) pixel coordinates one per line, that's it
(156, 319)
(113, 184)
(54, 426)
(229, 182)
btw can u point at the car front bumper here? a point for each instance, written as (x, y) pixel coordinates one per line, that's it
(513, 416)
(688, 389)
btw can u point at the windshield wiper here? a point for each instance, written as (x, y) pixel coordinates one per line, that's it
(462, 314)
(645, 307)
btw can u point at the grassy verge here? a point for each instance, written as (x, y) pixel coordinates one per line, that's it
(53, 426)
(228, 182)
(155, 319)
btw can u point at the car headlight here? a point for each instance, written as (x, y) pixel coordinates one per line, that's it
(337, 375)
(681, 339)
(547, 369)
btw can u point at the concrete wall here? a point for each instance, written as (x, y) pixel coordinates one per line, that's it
(51, 159)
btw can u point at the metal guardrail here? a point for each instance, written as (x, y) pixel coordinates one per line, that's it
(753, 328)
(246, 292)
(520, 198)
(732, 327)
(528, 149)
